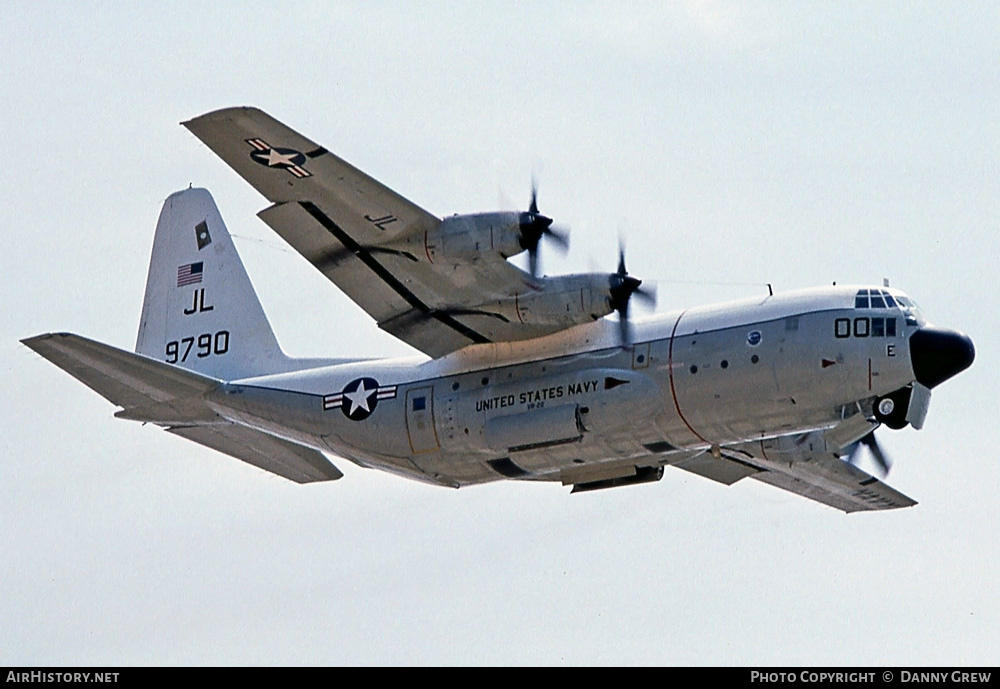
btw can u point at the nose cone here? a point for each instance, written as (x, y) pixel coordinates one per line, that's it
(938, 354)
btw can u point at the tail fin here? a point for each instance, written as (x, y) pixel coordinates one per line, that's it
(200, 311)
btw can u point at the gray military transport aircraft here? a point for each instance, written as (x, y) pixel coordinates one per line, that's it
(520, 376)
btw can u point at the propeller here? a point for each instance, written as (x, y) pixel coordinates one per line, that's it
(875, 449)
(622, 288)
(534, 226)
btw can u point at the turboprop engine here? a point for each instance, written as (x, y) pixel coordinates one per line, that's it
(465, 238)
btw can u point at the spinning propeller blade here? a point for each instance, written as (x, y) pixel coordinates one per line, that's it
(534, 226)
(622, 288)
(875, 449)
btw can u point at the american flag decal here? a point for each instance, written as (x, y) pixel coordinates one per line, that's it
(190, 274)
(281, 158)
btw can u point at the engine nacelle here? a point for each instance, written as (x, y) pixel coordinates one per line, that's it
(466, 238)
(564, 300)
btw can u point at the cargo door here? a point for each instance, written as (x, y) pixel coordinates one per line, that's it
(420, 420)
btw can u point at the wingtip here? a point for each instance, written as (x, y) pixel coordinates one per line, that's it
(35, 339)
(220, 114)
(40, 343)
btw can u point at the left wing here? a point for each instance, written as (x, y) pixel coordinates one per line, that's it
(803, 465)
(368, 240)
(839, 484)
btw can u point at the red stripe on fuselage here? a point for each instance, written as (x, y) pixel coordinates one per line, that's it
(670, 370)
(763, 452)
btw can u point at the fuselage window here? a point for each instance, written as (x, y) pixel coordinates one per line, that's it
(883, 327)
(864, 327)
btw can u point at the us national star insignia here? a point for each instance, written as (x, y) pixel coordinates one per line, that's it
(281, 158)
(359, 398)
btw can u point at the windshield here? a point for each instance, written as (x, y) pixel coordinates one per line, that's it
(882, 299)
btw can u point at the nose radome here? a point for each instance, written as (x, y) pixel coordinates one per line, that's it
(938, 354)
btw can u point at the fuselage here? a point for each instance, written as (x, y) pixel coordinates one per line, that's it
(562, 405)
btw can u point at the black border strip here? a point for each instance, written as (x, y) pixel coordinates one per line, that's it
(547, 443)
(386, 276)
(736, 460)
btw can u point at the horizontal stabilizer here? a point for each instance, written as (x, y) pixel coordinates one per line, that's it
(123, 378)
(286, 459)
(157, 392)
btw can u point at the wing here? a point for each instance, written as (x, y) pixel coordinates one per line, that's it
(802, 465)
(169, 396)
(839, 484)
(342, 220)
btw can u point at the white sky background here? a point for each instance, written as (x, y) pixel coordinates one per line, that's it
(795, 143)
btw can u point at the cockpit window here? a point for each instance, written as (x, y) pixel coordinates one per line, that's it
(877, 299)
(909, 308)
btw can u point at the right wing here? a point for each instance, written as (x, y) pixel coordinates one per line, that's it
(156, 392)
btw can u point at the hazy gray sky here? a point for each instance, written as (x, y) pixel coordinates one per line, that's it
(792, 143)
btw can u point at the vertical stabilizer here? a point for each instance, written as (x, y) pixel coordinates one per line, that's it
(200, 310)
